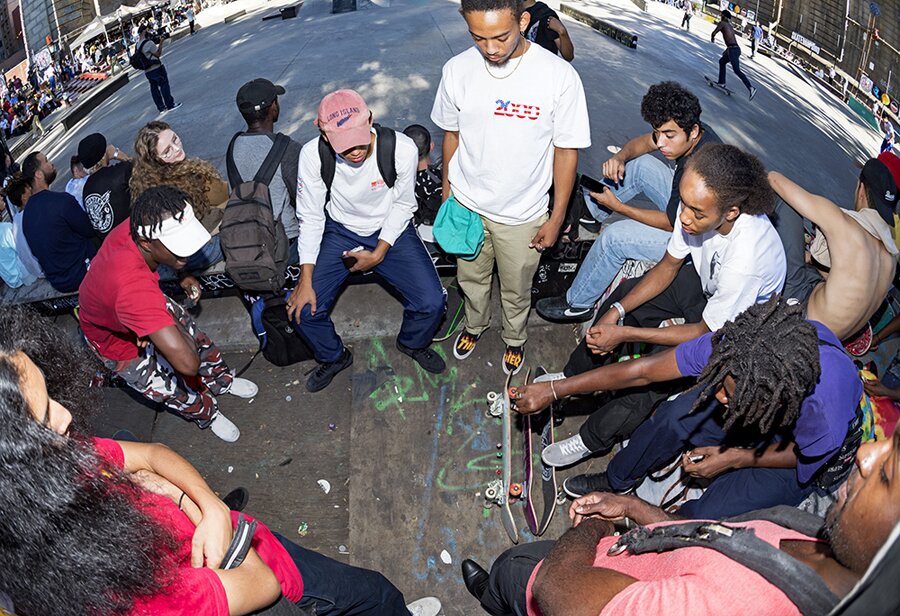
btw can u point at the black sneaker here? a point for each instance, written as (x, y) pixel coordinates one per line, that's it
(579, 485)
(589, 224)
(513, 359)
(322, 376)
(427, 358)
(465, 344)
(558, 309)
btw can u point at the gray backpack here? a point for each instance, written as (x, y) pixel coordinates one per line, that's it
(253, 242)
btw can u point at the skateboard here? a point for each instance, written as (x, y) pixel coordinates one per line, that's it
(715, 84)
(549, 489)
(499, 491)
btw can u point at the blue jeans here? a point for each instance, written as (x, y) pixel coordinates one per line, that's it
(159, 88)
(206, 257)
(336, 588)
(625, 239)
(407, 268)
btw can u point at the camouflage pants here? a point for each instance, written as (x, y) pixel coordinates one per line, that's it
(191, 397)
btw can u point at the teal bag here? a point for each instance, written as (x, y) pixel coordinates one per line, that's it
(458, 230)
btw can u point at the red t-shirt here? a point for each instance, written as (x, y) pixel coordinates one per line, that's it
(692, 581)
(120, 298)
(199, 591)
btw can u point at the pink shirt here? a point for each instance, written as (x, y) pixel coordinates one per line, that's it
(199, 591)
(693, 581)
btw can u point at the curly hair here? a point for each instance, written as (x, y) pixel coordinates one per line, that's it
(191, 175)
(484, 6)
(772, 354)
(738, 179)
(670, 101)
(16, 189)
(71, 539)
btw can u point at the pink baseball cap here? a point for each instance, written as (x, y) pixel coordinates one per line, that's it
(344, 118)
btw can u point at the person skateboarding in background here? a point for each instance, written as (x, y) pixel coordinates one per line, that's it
(731, 54)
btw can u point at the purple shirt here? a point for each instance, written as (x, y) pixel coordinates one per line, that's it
(825, 414)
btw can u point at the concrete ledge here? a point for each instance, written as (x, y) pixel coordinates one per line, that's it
(93, 99)
(614, 32)
(235, 16)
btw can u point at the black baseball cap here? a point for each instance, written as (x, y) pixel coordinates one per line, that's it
(877, 177)
(257, 94)
(91, 149)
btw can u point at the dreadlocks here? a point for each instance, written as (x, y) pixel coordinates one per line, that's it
(155, 205)
(773, 356)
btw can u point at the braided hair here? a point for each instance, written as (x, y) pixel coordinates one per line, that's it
(155, 205)
(773, 355)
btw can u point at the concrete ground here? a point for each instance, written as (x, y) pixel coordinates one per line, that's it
(410, 452)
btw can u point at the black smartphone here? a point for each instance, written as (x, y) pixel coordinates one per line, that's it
(597, 186)
(589, 185)
(348, 258)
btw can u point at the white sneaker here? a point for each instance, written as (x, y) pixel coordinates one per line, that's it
(224, 428)
(565, 452)
(426, 606)
(242, 388)
(549, 376)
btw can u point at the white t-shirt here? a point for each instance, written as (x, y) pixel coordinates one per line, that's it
(737, 270)
(360, 199)
(508, 128)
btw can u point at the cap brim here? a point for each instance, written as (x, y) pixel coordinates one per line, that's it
(349, 138)
(279, 90)
(184, 238)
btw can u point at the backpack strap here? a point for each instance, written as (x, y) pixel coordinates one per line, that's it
(273, 159)
(234, 176)
(802, 586)
(289, 165)
(384, 154)
(328, 164)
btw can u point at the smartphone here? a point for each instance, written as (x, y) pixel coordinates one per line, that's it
(598, 186)
(589, 185)
(348, 258)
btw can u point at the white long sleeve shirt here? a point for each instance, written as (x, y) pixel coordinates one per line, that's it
(360, 199)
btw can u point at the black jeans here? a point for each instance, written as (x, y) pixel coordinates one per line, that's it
(336, 588)
(733, 55)
(505, 592)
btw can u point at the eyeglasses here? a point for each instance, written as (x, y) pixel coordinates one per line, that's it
(172, 151)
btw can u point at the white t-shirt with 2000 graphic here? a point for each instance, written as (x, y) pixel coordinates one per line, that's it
(509, 120)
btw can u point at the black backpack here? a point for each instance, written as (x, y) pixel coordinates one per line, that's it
(254, 243)
(279, 340)
(139, 60)
(384, 156)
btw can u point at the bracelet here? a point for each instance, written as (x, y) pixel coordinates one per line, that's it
(620, 309)
(553, 390)
(116, 154)
(180, 499)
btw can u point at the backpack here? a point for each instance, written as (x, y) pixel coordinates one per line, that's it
(254, 243)
(279, 340)
(384, 156)
(139, 59)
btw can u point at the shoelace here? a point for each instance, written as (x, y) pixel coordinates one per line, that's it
(570, 447)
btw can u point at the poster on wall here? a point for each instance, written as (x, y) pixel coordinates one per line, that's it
(42, 58)
(865, 84)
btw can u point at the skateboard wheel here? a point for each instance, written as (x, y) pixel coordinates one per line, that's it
(561, 498)
(490, 493)
(515, 489)
(499, 445)
(499, 454)
(492, 396)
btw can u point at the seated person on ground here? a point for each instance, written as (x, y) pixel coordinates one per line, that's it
(783, 421)
(429, 180)
(75, 186)
(18, 191)
(58, 231)
(860, 254)
(106, 196)
(148, 339)
(359, 223)
(580, 574)
(153, 531)
(674, 115)
(12, 270)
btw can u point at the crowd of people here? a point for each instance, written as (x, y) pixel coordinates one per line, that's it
(743, 380)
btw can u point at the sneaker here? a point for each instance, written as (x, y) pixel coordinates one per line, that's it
(426, 606)
(753, 92)
(465, 344)
(579, 485)
(322, 376)
(224, 428)
(513, 359)
(558, 309)
(427, 358)
(174, 107)
(549, 376)
(588, 223)
(242, 388)
(565, 452)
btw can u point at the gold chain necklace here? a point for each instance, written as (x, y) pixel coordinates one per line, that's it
(509, 74)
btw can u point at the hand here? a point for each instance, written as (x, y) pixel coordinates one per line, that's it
(532, 398)
(546, 236)
(603, 338)
(302, 295)
(716, 460)
(191, 288)
(608, 199)
(556, 25)
(876, 388)
(602, 505)
(142, 343)
(365, 260)
(212, 536)
(614, 169)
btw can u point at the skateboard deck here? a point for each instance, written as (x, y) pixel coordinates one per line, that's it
(498, 491)
(714, 84)
(544, 422)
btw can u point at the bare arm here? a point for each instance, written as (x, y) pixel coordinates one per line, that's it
(712, 39)
(651, 217)
(664, 336)
(448, 149)
(250, 587)
(565, 162)
(178, 348)
(609, 506)
(614, 168)
(568, 583)
(653, 282)
(825, 214)
(563, 42)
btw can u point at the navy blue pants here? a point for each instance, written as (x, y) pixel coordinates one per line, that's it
(733, 55)
(159, 88)
(337, 588)
(672, 430)
(407, 268)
